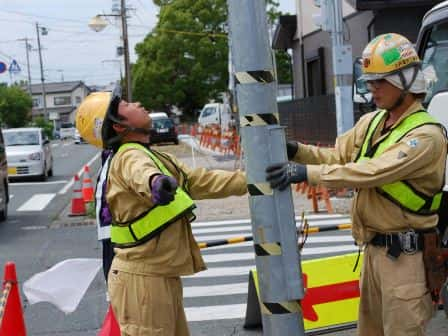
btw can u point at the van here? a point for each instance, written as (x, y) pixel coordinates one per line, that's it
(67, 131)
(215, 114)
(4, 186)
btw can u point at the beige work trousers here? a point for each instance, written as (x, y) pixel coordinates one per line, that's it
(394, 297)
(147, 306)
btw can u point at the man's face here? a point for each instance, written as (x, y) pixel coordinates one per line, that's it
(135, 115)
(384, 93)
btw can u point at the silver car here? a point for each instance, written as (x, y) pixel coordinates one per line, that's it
(28, 153)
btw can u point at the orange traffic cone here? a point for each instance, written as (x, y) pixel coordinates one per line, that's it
(110, 325)
(11, 313)
(78, 206)
(87, 186)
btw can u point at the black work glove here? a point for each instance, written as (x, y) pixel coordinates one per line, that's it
(280, 175)
(163, 189)
(291, 148)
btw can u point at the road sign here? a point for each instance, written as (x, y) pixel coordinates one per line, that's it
(331, 297)
(3, 67)
(14, 67)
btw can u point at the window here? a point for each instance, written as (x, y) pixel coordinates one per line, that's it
(78, 100)
(36, 102)
(435, 60)
(208, 112)
(316, 74)
(65, 100)
(375, 4)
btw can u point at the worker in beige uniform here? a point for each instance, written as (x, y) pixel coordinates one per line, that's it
(150, 196)
(395, 160)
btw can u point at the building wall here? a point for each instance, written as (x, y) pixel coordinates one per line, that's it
(356, 34)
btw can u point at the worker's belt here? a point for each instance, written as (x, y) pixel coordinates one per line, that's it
(408, 242)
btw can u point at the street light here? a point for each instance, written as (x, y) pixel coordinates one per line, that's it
(97, 23)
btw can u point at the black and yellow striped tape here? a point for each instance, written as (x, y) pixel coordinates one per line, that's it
(276, 308)
(268, 249)
(259, 119)
(259, 189)
(250, 77)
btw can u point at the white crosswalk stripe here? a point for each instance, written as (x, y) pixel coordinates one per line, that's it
(229, 265)
(37, 202)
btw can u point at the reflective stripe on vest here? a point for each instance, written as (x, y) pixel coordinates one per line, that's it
(156, 219)
(401, 192)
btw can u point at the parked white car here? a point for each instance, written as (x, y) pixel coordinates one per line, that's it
(28, 153)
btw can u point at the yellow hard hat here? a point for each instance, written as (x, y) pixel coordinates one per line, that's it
(93, 114)
(388, 54)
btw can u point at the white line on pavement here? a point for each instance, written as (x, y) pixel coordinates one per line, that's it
(338, 218)
(18, 184)
(251, 256)
(37, 202)
(229, 289)
(69, 184)
(210, 313)
(223, 271)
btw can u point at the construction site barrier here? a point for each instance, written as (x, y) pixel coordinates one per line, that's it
(12, 322)
(238, 240)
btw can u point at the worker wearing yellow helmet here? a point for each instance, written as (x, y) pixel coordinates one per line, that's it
(150, 197)
(395, 160)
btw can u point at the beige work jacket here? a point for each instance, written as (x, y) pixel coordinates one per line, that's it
(418, 158)
(174, 251)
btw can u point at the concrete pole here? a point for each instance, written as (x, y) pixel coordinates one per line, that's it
(27, 49)
(42, 78)
(342, 67)
(272, 211)
(127, 64)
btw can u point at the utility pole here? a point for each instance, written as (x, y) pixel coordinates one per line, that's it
(27, 49)
(127, 65)
(42, 78)
(332, 21)
(263, 139)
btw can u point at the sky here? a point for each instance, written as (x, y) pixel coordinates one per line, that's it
(71, 50)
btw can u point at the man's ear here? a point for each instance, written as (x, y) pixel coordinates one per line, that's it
(118, 128)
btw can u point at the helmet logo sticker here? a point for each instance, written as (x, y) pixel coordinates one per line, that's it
(97, 128)
(391, 56)
(412, 143)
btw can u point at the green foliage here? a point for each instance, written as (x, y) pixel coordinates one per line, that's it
(184, 60)
(284, 73)
(46, 125)
(15, 106)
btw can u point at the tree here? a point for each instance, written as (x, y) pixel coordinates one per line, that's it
(15, 106)
(184, 60)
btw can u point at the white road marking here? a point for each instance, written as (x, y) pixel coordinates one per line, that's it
(35, 227)
(18, 184)
(70, 184)
(312, 217)
(209, 313)
(54, 145)
(229, 289)
(37, 202)
(213, 272)
(251, 256)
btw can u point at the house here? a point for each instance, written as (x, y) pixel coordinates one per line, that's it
(311, 117)
(62, 100)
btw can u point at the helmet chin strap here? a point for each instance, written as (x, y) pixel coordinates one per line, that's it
(128, 129)
(406, 87)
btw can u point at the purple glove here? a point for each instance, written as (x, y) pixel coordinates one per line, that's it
(163, 189)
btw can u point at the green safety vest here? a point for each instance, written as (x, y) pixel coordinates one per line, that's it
(401, 192)
(156, 219)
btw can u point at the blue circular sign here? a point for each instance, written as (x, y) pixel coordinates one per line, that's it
(3, 67)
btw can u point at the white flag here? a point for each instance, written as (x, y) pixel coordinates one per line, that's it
(64, 284)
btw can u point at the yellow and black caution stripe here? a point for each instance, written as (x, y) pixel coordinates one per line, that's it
(265, 119)
(4, 300)
(274, 308)
(251, 77)
(260, 189)
(268, 249)
(237, 240)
